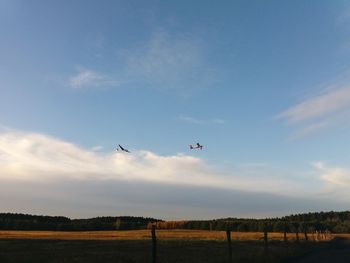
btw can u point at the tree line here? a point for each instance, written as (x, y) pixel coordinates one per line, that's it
(11, 221)
(336, 222)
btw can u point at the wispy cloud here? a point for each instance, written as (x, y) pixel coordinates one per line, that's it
(163, 61)
(192, 120)
(89, 78)
(309, 129)
(320, 106)
(169, 61)
(327, 108)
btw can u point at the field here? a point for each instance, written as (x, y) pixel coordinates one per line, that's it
(183, 235)
(135, 246)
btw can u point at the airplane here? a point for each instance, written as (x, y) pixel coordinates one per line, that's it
(122, 149)
(197, 146)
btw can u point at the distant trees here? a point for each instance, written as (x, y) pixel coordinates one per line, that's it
(167, 224)
(9, 221)
(336, 222)
(300, 224)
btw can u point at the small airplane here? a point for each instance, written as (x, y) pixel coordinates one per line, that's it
(197, 146)
(122, 149)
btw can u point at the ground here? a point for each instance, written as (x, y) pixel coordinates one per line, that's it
(337, 252)
(172, 247)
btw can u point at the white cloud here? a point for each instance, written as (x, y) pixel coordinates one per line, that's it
(45, 174)
(333, 176)
(37, 157)
(89, 78)
(31, 156)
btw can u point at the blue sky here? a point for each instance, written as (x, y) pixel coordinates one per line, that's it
(264, 86)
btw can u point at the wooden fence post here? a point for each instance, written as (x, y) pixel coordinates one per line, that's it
(154, 244)
(297, 234)
(266, 244)
(305, 232)
(228, 235)
(296, 226)
(265, 236)
(285, 232)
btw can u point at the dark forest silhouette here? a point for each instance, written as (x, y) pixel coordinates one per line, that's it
(336, 222)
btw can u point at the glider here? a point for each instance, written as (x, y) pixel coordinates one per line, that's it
(122, 149)
(197, 146)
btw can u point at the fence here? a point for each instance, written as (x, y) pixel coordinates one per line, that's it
(316, 236)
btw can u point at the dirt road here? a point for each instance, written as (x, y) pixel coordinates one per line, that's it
(338, 252)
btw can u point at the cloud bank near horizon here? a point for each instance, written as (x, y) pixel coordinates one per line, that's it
(33, 157)
(49, 170)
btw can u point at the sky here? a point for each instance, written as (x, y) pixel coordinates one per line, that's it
(264, 86)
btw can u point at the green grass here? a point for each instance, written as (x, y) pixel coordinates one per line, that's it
(79, 251)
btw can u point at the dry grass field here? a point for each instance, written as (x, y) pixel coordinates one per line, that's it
(347, 236)
(173, 246)
(145, 234)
